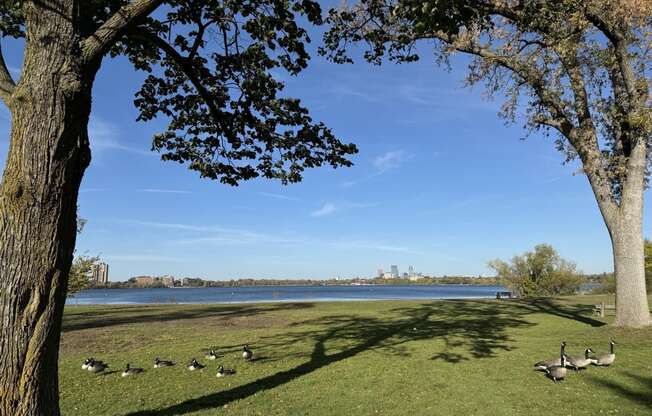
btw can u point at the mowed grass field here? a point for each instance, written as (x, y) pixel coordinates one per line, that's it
(352, 358)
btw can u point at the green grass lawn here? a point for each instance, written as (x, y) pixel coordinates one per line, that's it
(352, 358)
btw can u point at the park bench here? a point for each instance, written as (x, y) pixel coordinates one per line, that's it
(602, 308)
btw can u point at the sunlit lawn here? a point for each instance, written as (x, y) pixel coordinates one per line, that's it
(352, 358)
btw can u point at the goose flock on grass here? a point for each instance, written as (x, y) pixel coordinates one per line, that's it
(96, 366)
(556, 368)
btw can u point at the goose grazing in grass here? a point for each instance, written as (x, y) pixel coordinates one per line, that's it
(579, 362)
(194, 365)
(606, 358)
(558, 372)
(131, 371)
(212, 355)
(162, 363)
(223, 372)
(543, 365)
(96, 366)
(247, 354)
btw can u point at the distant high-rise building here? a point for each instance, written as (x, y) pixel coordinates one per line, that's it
(410, 271)
(394, 269)
(101, 274)
(380, 273)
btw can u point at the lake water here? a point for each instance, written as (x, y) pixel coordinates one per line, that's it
(280, 294)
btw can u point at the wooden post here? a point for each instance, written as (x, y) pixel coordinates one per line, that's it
(603, 306)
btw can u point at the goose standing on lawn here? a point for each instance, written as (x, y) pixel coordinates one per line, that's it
(605, 359)
(194, 365)
(247, 354)
(580, 362)
(558, 372)
(543, 365)
(129, 371)
(162, 363)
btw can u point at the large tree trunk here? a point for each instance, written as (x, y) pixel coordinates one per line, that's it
(38, 200)
(626, 230)
(632, 308)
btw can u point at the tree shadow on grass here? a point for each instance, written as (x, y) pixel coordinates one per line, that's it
(641, 395)
(121, 315)
(577, 312)
(470, 330)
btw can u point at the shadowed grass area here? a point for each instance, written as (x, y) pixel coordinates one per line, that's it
(385, 357)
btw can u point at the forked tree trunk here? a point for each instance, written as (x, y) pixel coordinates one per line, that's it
(38, 200)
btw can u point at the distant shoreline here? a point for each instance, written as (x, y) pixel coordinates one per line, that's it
(488, 283)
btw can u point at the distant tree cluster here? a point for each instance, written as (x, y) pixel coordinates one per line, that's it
(541, 272)
(80, 273)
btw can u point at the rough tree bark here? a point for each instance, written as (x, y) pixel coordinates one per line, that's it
(48, 155)
(624, 222)
(626, 230)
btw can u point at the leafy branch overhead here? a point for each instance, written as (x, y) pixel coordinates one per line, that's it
(213, 71)
(580, 67)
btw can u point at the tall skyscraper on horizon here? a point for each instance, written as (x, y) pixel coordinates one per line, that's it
(410, 271)
(101, 274)
(395, 274)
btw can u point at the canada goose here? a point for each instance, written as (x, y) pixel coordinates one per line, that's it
(222, 372)
(247, 354)
(162, 363)
(194, 365)
(579, 362)
(131, 371)
(558, 372)
(86, 363)
(96, 366)
(606, 358)
(543, 365)
(211, 355)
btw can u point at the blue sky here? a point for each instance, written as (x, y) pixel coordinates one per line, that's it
(440, 183)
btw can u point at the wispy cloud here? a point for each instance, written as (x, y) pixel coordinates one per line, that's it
(326, 209)
(390, 160)
(382, 164)
(204, 234)
(211, 235)
(88, 190)
(105, 136)
(349, 91)
(372, 245)
(279, 196)
(164, 191)
(141, 258)
(330, 208)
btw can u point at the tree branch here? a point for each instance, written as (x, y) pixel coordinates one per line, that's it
(99, 42)
(7, 84)
(188, 69)
(620, 51)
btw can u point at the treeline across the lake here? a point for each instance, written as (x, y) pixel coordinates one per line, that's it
(198, 282)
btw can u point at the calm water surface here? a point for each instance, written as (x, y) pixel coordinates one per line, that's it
(280, 294)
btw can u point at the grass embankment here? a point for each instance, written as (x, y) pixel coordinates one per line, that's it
(352, 358)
